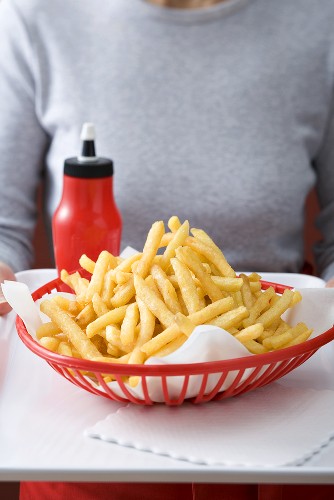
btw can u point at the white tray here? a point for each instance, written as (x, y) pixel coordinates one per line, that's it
(43, 418)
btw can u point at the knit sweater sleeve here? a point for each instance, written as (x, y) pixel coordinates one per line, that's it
(324, 164)
(22, 140)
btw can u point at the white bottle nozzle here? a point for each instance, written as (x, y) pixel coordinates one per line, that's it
(88, 132)
(87, 137)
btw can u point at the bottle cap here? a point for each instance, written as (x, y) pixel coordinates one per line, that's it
(88, 143)
(88, 165)
(88, 132)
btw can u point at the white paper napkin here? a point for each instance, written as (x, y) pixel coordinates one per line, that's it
(270, 427)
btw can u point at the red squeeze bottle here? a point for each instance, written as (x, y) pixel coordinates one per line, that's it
(87, 219)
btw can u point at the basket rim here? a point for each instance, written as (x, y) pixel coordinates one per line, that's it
(251, 361)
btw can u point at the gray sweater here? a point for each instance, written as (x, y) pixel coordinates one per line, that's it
(221, 115)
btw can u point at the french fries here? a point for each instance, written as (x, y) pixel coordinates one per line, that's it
(149, 304)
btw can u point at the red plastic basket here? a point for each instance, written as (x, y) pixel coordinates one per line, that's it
(243, 374)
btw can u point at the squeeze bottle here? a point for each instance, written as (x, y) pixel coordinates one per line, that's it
(87, 219)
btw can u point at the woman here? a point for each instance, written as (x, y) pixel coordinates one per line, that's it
(217, 111)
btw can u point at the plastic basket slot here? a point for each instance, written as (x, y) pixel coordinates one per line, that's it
(109, 392)
(177, 401)
(263, 377)
(282, 368)
(279, 369)
(68, 374)
(126, 392)
(287, 366)
(245, 385)
(230, 391)
(297, 361)
(306, 356)
(147, 398)
(78, 378)
(204, 397)
(200, 396)
(55, 367)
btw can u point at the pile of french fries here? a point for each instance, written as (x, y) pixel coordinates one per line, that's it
(149, 304)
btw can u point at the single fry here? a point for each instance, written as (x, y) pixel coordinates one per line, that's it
(113, 336)
(211, 311)
(152, 284)
(238, 298)
(98, 305)
(67, 325)
(255, 286)
(108, 287)
(230, 318)
(183, 306)
(126, 264)
(86, 316)
(47, 330)
(171, 346)
(105, 259)
(246, 292)
(87, 263)
(250, 333)
(255, 347)
(114, 351)
(296, 298)
(254, 277)
(185, 324)
(228, 284)
(187, 286)
(280, 306)
(129, 324)
(50, 343)
(155, 305)
(71, 306)
(166, 239)
(215, 256)
(77, 283)
(174, 223)
(261, 303)
(298, 329)
(137, 357)
(179, 237)
(150, 248)
(168, 335)
(281, 327)
(189, 257)
(277, 341)
(105, 359)
(302, 337)
(147, 324)
(114, 316)
(166, 289)
(124, 294)
(122, 277)
(64, 349)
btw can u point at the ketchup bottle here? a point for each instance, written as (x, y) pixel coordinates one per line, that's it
(87, 219)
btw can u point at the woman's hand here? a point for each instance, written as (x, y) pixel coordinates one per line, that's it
(5, 274)
(330, 283)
